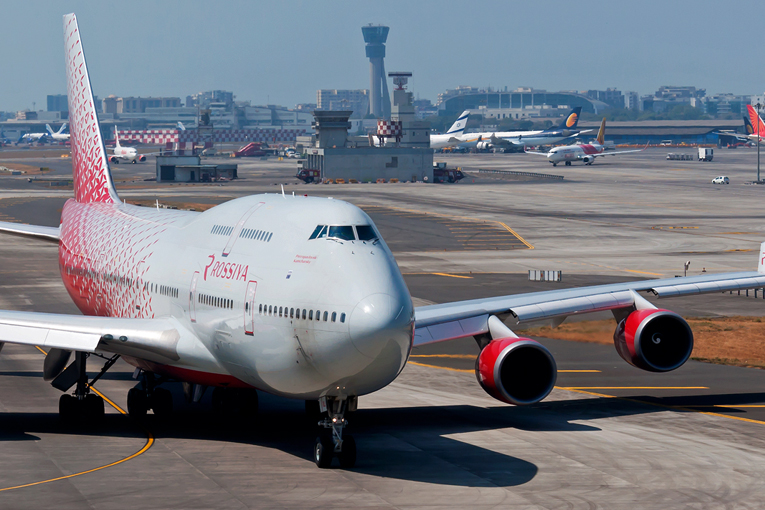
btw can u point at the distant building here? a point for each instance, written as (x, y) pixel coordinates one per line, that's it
(723, 105)
(632, 100)
(204, 99)
(58, 103)
(611, 97)
(113, 104)
(510, 104)
(356, 101)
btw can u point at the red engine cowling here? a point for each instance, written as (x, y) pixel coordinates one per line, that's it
(516, 370)
(142, 158)
(654, 340)
(113, 159)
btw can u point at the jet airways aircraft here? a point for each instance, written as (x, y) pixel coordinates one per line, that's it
(452, 136)
(127, 154)
(565, 130)
(295, 296)
(584, 152)
(59, 135)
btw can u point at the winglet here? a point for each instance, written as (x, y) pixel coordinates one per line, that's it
(761, 261)
(90, 167)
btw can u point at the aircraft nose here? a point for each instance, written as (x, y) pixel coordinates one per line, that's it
(382, 323)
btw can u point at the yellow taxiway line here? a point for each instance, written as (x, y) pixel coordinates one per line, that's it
(149, 443)
(453, 275)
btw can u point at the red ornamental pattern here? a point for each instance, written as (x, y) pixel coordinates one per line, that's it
(90, 168)
(388, 128)
(163, 136)
(105, 254)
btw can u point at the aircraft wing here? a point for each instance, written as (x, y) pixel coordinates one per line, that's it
(611, 153)
(22, 229)
(436, 323)
(537, 153)
(151, 339)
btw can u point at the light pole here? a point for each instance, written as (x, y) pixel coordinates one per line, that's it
(758, 140)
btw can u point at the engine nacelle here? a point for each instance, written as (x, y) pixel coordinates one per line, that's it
(142, 158)
(654, 340)
(516, 370)
(483, 146)
(113, 159)
(587, 159)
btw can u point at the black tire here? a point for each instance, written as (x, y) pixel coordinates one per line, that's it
(94, 407)
(134, 162)
(309, 180)
(555, 164)
(348, 455)
(323, 451)
(568, 163)
(67, 410)
(136, 403)
(162, 402)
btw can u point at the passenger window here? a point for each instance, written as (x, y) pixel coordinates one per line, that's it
(310, 315)
(303, 313)
(366, 233)
(280, 311)
(292, 313)
(342, 317)
(260, 308)
(344, 232)
(334, 316)
(326, 314)
(270, 310)
(318, 315)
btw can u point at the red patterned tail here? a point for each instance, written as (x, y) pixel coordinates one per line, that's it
(90, 167)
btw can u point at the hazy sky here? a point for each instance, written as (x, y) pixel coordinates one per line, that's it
(281, 52)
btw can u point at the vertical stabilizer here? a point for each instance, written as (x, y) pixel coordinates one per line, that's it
(757, 124)
(117, 138)
(459, 125)
(90, 168)
(50, 130)
(602, 132)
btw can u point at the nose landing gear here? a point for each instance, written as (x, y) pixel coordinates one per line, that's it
(330, 443)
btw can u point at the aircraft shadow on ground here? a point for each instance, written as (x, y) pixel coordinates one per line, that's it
(408, 443)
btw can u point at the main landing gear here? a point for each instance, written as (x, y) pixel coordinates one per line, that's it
(330, 443)
(145, 396)
(81, 406)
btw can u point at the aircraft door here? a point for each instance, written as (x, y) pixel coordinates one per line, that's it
(192, 297)
(249, 308)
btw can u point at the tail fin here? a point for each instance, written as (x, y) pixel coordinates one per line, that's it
(459, 125)
(181, 126)
(116, 138)
(47, 126)
(90, 167)
(748, 125)
(756, 121)
(602, 132)
(572, 119)
(62, 128)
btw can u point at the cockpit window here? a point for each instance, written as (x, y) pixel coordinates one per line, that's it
(319, 231)
(344, 232)
(366, 232)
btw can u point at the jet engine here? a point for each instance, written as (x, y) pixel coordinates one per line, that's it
(516, 370)
(483, 146)
(142, 158)
(114, 159)
(588, 159)
(653, 339)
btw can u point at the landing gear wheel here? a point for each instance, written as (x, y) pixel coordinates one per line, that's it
(162, 402)
(568, 163)
(555, 164)
(323, 450)
(133, 162)
(93, 406)
(137, 403)
(348, 455)
(67, 408)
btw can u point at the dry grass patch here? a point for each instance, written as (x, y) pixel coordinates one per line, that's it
(736, 341)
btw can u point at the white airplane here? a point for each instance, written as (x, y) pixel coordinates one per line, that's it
(584, 152)
(453, 136)
(291, 295)
(127, 154)
(59, 135)
(33, 137)
(565, 130)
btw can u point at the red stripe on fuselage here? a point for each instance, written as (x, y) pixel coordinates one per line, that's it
(589, 149)
(187, 375)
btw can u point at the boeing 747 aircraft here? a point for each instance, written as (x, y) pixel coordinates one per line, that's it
(452, 136)
(292, 295)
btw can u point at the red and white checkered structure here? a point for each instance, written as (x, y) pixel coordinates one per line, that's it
(165, 136)
(388, 128)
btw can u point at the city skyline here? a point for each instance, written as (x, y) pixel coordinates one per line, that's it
(283, 53)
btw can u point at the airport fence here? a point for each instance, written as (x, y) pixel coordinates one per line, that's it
(520, 174)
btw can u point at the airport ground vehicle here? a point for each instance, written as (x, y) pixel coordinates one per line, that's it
(706, 154)
(721, 179)
(308, 176)
(443, 174)
(252, 149)
(293, 295)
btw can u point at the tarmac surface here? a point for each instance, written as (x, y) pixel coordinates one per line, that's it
(609, 436)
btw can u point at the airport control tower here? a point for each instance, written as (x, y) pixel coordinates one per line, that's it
(375, 37)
